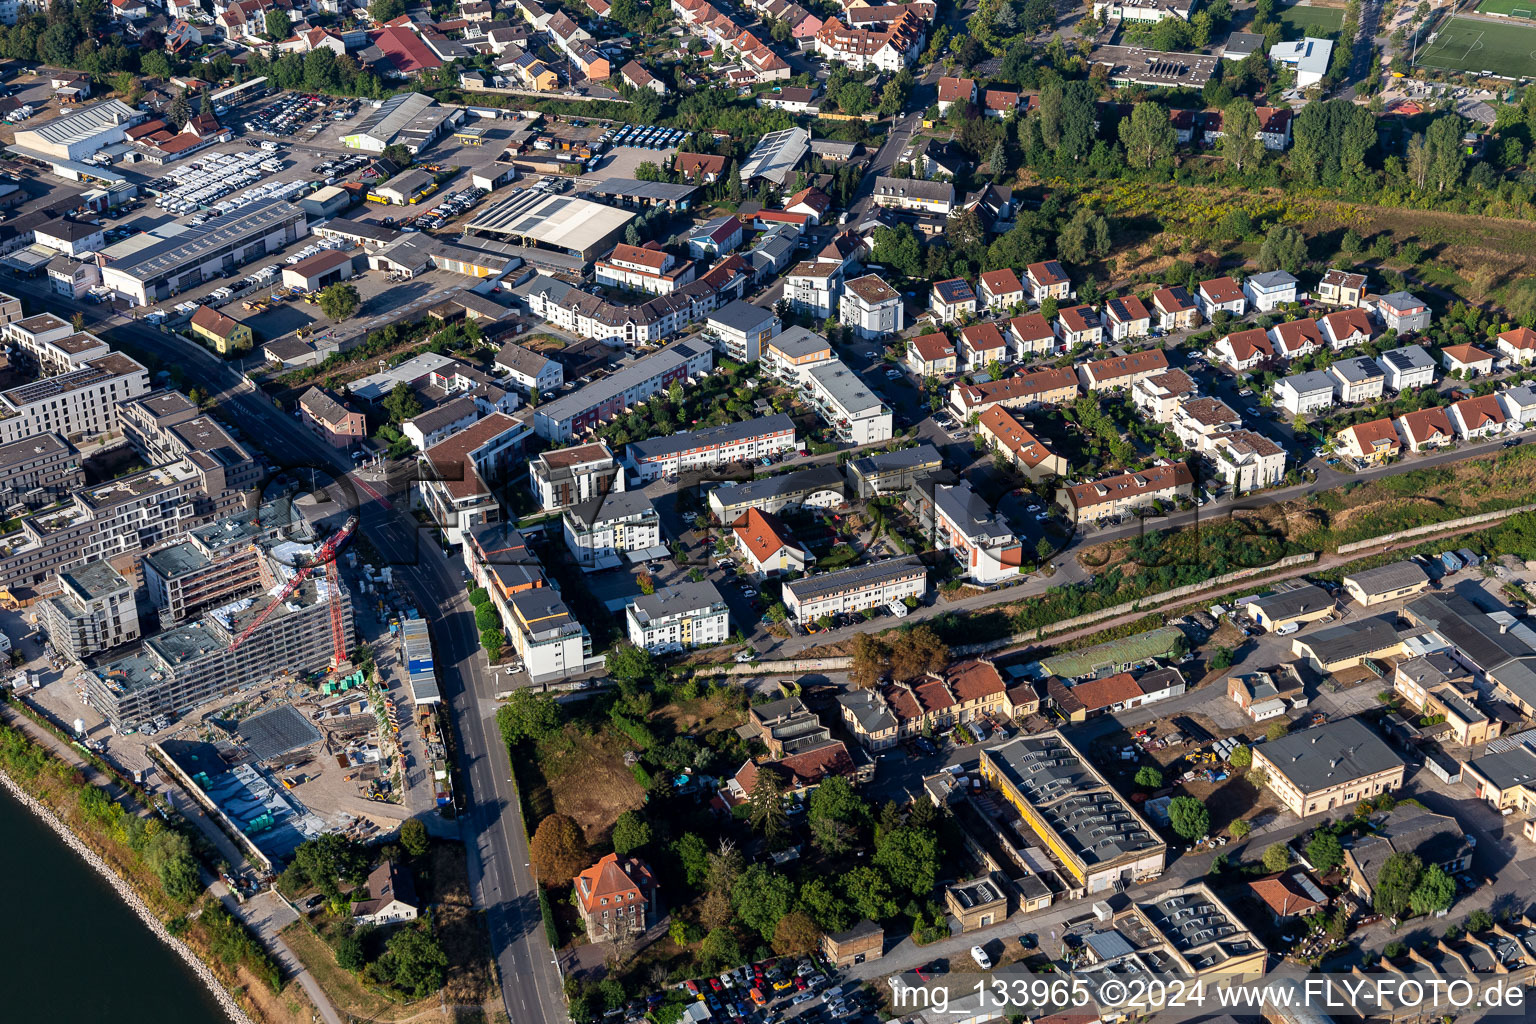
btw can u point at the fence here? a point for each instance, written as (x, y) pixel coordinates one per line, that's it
(1145, 604)
(1449, 526)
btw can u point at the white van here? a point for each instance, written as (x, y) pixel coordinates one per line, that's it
(1288, 629)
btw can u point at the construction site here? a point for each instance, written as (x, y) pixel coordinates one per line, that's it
(290, 690)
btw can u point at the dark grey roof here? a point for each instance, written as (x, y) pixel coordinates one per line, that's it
(1507, 768)
(1400, 301)
(1435, 838)
(1479, 639)
(1407, 358)
(1354, 371)
(1330, 755)
(522, 360)
(741, 316)
(1290, 603)
(905, 458)
(812, 587)
(1386, 578)
(1355, 639)
(448, 413)
(805, 481)
(661, 447)
(323, 406)
(868, 709)
(679, 599)
(611, 506)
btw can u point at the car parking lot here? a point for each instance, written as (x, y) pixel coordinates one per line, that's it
(807, 990)
(294, 115)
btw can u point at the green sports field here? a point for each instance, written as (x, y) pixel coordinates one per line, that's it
(1470, 45)
(1508, 8)
(1324, 22)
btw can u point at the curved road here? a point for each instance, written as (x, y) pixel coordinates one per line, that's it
(492, 827)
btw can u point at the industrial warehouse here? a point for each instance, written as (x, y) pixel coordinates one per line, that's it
(569, 224)
(166, 266)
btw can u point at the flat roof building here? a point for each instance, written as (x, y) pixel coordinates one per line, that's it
(201, 253)
(744, 441)
(570, 224)
(602, 400)
(856, 589)
(1098, 838)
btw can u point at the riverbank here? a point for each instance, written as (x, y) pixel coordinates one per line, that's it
(126, 892)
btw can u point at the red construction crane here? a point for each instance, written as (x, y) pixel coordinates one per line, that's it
(326, 555)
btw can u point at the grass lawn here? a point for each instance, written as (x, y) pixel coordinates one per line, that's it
(1508, 8)
(1303, 19)
(1466, 44)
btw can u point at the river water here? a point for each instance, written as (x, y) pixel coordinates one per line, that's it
(74, 953)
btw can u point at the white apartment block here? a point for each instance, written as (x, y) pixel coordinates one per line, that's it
(74, 404)
(871, 308)
(600, 532)
(814, 288)
(562, 477)
(854, 590)
(854, 412)
(679, 618)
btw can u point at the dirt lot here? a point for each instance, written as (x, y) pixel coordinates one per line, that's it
(586, 778)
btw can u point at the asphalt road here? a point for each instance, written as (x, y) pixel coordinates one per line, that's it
(492, 826)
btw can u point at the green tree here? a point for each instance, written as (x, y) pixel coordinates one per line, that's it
(413, 962)
(279, 25)
(909, 856)
(836, 815)
(628, 663)
(1284, 248)
(826, 907)
(1084, 237)
(1148, 777)
(413, 837)
(719, 949)
(349, 953)
(1241, 757)
(854, 98)
(339, 301)
(1479, 921)
(765, 806)
(1447, 155)
(1395, 883)
(385, 10)
(1240, 828)
(1277, 729)
(155, 65)
(869, 893)
(1434, 893)
(1241, 148)
(630, 832)
(528, 716)
(1276, 858)
(693, 854)
(401, 404)
(1189, 817)
(180, 111)
(761, 897)
(1147, 135)
(1324, 851)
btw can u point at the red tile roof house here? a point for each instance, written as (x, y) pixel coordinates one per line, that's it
(1427, 428)
(956, 90)
(1128, 318)
(1243, 350)
(1466, 358)
(1174, 310)
(931, 355)
(1221, 293)
(797, 773)
(1297, 338)
(999, 103)
(1347, 328)
(1031, 335)
(1122, 371)
(1478, 417)
(1518, 345)
(980, 344)
(706, 168)
(616, 897)
(1048, 280)
(1078, 325)
(1001, 289)
(952, 299)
